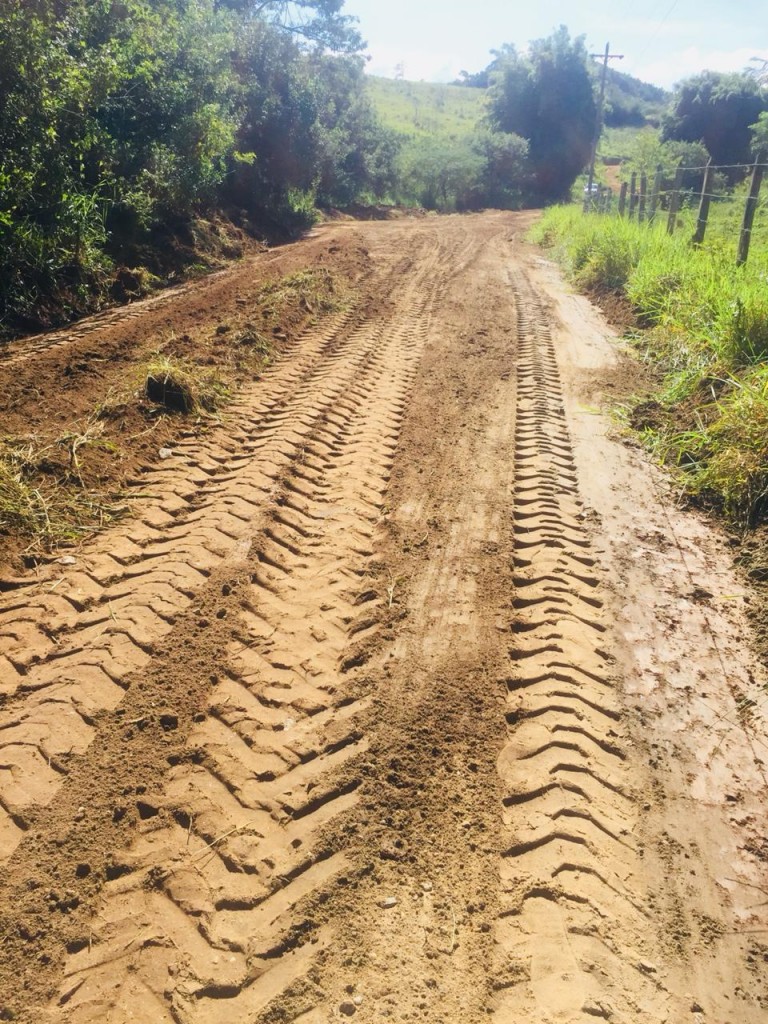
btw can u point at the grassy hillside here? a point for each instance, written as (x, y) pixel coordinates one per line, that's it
(438, 123)
(439, 165)
(630, 102)
(427, 109)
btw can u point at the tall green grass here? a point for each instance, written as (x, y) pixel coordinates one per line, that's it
(706, 326)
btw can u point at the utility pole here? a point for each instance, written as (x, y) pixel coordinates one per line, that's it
(599, 117)
(749, 211)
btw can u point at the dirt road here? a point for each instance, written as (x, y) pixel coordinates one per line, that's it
(409, 694)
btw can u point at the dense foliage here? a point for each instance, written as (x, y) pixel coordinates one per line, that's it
(121, 116)
(546, 96)
(760, 135)
(123, 122)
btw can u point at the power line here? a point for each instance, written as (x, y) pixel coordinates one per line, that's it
(658, 29)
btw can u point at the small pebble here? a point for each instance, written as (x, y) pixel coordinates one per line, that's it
(165, 453)
(348, 1008)
(68, 560)
(388, 903)
(426, 886)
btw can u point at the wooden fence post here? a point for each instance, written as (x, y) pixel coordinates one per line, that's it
(655, 194)
(674, 201)
(643, 197)
(623, 198)
(706, 190)
(749, 211)
(632, 194)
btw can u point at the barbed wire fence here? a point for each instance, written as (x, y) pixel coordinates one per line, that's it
(643, 197)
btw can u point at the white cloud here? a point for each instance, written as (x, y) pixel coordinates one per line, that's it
(640, 30)
(686, 62)
(418, 65)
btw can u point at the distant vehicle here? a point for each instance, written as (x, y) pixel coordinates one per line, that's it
(591, 190)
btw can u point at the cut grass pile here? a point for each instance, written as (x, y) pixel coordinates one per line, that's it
(706, 331)
(314, 291)
(178, 383)
(44, 508)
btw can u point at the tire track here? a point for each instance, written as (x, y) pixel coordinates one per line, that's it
(202, 926)
(67, 651)
(574, 932)
(19, 351)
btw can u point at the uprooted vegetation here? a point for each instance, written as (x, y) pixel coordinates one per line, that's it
(703, 328)
(60, 482)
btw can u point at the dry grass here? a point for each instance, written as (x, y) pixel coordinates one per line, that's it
(43, 509)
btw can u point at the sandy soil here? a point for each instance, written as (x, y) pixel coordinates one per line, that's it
(409, 693)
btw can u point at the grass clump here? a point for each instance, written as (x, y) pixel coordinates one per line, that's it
(725, 454)
(706, 326)
(22, 507)
(182, 386)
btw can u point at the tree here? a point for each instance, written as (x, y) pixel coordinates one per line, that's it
(760, 136)
(546, 97)
(441, 173)
(503, 176)
(318, 22)
(356, 154)
(120, 119)
(718, 110)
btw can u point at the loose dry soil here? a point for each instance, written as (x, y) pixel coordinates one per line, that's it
(407, 693)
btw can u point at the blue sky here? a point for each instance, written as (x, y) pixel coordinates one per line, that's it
(663, 40)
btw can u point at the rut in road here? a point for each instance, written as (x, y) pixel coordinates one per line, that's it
(574, 930)
(204, 898)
